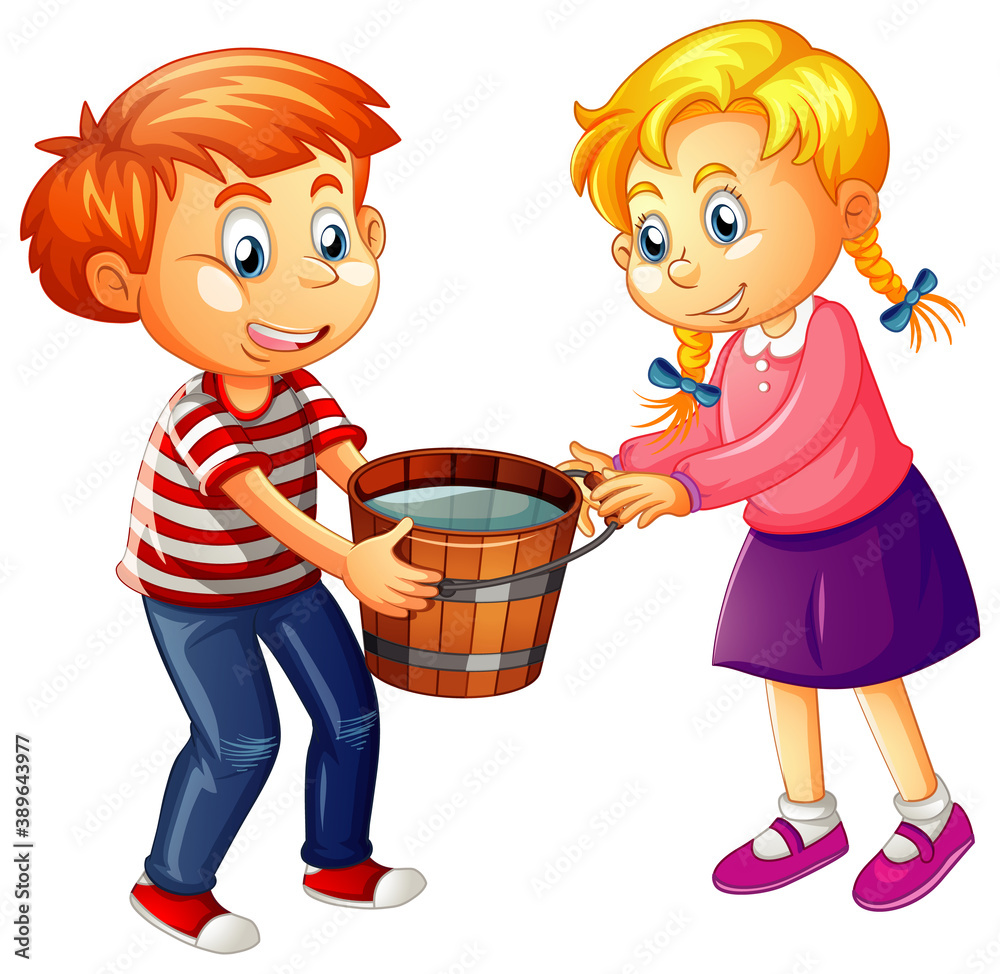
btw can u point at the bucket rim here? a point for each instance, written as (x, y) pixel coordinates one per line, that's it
(354, 494)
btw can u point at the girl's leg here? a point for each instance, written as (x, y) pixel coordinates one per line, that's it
(887, 709)
(934, 833)
(807, 835)
(805, 805)
(795, 724)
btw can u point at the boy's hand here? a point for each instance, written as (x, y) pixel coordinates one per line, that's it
(643, 495)
(590, 460)
(384, 582)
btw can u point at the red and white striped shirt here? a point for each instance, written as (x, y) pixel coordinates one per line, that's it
(188, 543)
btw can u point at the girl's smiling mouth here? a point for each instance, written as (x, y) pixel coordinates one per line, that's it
(726, 306)
(280, 339)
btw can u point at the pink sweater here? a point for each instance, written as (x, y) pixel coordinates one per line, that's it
(803, 438)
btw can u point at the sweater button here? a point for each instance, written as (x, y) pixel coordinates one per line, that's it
(764, 386)
(761, 365)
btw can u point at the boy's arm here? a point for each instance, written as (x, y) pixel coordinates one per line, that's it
(339, 460)
(370, 569)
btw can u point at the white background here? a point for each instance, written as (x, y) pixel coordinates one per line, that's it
(489, 214)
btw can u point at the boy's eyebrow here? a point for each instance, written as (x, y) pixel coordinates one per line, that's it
(644, 187)
(710, 170)
(241, 189)
(326, 180)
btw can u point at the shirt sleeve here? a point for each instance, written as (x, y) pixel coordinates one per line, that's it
(211, 442)
(822, 396)
(327, 422)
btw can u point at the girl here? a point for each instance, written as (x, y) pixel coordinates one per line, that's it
(735, 164)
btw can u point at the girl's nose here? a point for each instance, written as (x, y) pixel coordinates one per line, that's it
(315, 273)
(684, 272)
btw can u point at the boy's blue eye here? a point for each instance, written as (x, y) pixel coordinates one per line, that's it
(654, 241)
(246, 246)
(725, 218)
(331, 238)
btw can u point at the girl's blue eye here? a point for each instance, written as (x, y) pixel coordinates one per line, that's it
(725, 218)
(654, 241)
(330, 235)
(246, 246)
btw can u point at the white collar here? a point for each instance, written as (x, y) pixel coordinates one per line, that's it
(755, 341)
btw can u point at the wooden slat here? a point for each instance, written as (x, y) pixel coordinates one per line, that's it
(458, 618)
(426, 551)
(546, 613)
(510, 680)
(453, 684)
(482, 684)
(498, 559)
(533, 549)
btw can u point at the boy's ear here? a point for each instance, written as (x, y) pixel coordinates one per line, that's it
(113, 283)
(858, 205)
(372, 229)
(621, 250)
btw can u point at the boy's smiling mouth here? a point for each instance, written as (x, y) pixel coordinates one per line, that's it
(280, 339)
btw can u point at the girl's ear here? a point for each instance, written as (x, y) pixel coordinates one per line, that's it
(372, 229)
(113, 283)
(621, 250)
(858, 205)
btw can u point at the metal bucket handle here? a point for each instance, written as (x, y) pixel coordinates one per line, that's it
(460, 589)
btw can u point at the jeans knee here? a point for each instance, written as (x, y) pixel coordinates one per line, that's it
(358, 732)
(248, 754)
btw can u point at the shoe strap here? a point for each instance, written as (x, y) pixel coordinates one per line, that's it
(919, 838)
(790, 834)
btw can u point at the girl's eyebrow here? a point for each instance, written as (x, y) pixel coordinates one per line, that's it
(241, 189)
(644, 187)
(710, 170)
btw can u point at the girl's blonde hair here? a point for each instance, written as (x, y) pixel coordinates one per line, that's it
(745, 66)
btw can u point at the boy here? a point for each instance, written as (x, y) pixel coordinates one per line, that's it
(219, 201)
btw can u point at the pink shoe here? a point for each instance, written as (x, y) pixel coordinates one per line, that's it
(887, 885)
(743, 872)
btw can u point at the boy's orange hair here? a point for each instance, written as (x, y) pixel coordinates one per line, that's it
(263, 110)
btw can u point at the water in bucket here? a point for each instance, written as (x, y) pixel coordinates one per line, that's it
(458, 507)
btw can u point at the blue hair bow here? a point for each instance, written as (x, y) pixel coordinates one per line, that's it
(664, 375)
(898, 316)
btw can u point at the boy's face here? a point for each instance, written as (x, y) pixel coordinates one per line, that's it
(261, 276)
(730, 240)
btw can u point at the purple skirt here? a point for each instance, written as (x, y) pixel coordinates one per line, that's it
(863, 603)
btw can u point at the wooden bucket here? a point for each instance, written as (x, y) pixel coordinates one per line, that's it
(478, 642)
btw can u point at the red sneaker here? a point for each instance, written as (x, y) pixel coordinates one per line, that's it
(366, 885)
(196, 920)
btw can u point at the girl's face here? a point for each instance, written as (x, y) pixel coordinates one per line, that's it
(724, 239)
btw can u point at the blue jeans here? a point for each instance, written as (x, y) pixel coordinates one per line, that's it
(217, 667)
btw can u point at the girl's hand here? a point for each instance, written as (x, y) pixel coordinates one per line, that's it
(588, 460)
(384, 582)
(643, 495)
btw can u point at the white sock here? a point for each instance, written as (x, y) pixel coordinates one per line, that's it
(812, 820)
(929, 815)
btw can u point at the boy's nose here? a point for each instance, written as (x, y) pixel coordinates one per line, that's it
(314, 273)
(684, 272)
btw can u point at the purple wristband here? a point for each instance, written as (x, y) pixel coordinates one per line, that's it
(617, 462)
(691, 487)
